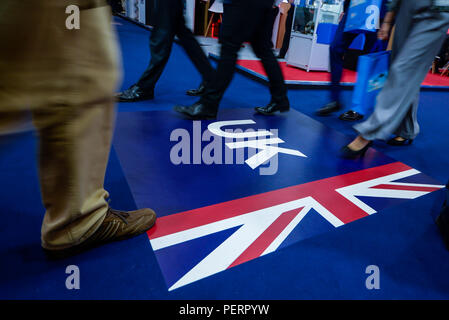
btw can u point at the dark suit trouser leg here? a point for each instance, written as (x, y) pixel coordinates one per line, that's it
(170, 22)
(238, 26)
(169, 12)
(339, 45)
(261, 43)
(161, 42)
(194, 51)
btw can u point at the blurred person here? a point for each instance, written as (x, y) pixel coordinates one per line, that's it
(116, 6)
(341, 43)
(243, 20)
(66, 79)
(169, 22)
(443, 219)
(419, 34)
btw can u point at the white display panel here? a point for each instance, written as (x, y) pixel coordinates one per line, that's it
(190, 13)
(135, 9)
(305, 50)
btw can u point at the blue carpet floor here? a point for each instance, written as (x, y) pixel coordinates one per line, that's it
(402, 240)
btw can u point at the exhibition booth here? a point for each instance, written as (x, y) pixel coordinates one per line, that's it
(310, 30)
(313, 28)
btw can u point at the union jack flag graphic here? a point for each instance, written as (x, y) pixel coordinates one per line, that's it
(195, 244)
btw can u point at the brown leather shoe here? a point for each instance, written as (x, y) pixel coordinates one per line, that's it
(117, 225)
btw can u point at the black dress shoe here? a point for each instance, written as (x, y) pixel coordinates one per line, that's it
(329, 108)
(351, 116)
(197, 92)
(272, 107)
(135, 93)
(197, 111)
(348, 153)
(395, 142)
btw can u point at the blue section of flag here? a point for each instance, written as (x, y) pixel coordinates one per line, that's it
(177, 260)
(381, 203)
(419, 178)
(312, 224)
(153, 178)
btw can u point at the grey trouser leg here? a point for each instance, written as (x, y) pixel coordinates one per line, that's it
(397, 103)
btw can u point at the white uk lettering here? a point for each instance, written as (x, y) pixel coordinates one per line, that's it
(266, 145)
(261, 146)
(268, 150)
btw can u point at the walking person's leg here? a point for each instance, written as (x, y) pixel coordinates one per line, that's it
(409, 127)
(196, 55)
(74, 144)
(261, 42)
(357, 113)
(337, 49)
(397, 102)
(73, 112)
(237, 27)
(403, 84)
(161, 42)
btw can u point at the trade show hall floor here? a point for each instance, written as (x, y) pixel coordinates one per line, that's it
(305, 225)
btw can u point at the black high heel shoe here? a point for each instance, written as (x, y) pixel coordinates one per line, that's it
(395, 142)
(348, 153)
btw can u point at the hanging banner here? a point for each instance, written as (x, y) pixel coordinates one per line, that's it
(363, 16)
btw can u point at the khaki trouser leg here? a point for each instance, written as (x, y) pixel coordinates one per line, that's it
(66, 79)
(74, 143)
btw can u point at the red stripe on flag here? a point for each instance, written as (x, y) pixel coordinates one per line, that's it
(267, 237)
(322, 190)
(405, 188)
